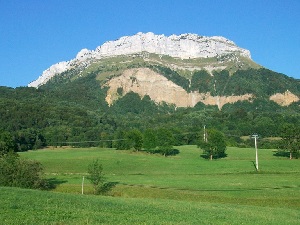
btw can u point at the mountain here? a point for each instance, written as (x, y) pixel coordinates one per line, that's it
(184, 46)
(182, 70)
(151, 82)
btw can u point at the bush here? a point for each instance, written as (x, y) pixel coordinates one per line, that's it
(23, 173)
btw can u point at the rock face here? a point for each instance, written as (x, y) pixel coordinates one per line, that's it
(183, 46)
(49, 73)
(284, 99)
(144, 81)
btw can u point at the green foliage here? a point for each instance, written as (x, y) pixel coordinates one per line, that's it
(17, 172)
(72, 110)
(132, 103)
(149, 140)
(202, 82)
(135, 139)
(172, 76)
(97, 178)
(221, 78)
(261, 82)
(6, 142)
(28, 139)
(214, 146)
(165, 141)
(290, 134)
(121, 142)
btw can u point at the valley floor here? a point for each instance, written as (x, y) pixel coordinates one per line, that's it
(152, 189)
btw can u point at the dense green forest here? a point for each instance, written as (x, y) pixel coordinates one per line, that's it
(74, 112)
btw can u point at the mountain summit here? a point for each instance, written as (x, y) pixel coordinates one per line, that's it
(183, 71)
(184, 46)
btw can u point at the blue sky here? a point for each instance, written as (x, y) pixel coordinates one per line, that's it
(35, 34)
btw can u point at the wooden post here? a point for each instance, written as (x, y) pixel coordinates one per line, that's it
(82, 185)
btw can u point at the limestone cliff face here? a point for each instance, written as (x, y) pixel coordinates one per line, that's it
(284, 99)
(182, 46)
(144, 81)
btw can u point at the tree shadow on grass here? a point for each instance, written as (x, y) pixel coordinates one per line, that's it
(110, 185)
(206, 156)
(214, 190)
(52, 183)
(173, 152)
(254, 164)
(281, 153)
(170, 152)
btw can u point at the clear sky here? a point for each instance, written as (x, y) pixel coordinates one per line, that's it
(35, 34)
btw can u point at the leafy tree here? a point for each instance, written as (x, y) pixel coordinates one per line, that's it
(264, 126)
(30, 138)
(121, 142)
(97, 178)
(105, 143)
(135, 139)
(215, 146)
(6, 142)
(165, 141)
(290, 135)
(150, 140)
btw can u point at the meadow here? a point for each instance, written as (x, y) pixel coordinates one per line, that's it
(153, 189)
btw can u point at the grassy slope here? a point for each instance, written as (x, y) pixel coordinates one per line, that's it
(115, 65)
(37, 207)
(182, 189)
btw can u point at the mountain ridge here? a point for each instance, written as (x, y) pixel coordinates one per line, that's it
(181, 70)
(184, 46)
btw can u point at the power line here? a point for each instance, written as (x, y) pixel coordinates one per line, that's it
(78, 142)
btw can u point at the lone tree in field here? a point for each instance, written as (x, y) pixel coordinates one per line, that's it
(290, 141)
(97, 178)
(214, 146)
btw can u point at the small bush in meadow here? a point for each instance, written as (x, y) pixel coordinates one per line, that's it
(23, 173)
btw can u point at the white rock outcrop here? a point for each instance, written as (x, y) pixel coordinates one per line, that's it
(181, 46)
(49, 73)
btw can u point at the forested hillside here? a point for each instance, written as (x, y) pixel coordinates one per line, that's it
(69, 111)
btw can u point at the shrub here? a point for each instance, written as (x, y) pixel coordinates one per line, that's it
(23, 173)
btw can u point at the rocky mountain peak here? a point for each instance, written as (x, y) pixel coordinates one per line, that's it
(182, 46)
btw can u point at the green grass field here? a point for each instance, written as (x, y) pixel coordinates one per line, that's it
(152, 189)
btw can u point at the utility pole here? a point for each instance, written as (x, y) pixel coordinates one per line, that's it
(204, 135)
(255, 136)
